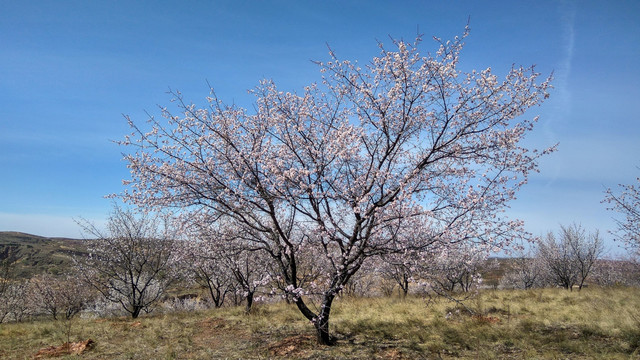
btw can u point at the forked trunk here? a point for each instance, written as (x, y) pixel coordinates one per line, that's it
(217, 297)
(136, 311)
(322, 333)
(321, 322)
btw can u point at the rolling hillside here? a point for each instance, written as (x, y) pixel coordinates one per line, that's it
(35, 254)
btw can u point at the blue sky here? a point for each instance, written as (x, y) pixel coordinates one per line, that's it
(69, 70)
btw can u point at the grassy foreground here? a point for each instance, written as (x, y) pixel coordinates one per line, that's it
(545, 324)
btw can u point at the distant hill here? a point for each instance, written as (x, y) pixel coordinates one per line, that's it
(36, 254)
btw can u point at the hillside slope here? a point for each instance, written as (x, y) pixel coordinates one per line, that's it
(34, 254)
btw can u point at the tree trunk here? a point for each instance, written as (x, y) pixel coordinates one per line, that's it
(322, 322)
(322, 333)
(216, 296)
(249, 302)
(136, 311)
(405, 286)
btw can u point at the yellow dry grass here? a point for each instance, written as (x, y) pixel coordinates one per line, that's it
(597, 323)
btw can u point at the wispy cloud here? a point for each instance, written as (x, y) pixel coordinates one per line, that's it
(561, 111)
(568, 14)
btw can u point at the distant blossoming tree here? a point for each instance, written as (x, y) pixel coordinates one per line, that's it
(201, 262)
(527, 270)
(456, 268)
(230, 257)
(15, 301)
(570, 256)
(65, 296)
(401, 153)
(627, 203)
(130, 262)
(623, 271)
(396, 267)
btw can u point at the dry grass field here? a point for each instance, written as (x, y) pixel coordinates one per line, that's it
(596, 323)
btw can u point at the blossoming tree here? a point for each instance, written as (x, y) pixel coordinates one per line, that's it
(627, 203)
(402, 153)
(129, 263)
(201, 262)
(570, 257)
